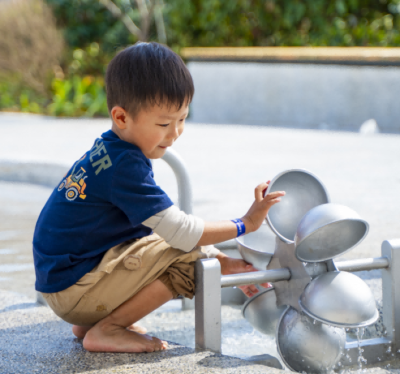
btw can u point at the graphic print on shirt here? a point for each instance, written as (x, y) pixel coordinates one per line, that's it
(75, 182)
(105, 161)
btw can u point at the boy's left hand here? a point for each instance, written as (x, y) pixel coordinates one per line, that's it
(234, 266)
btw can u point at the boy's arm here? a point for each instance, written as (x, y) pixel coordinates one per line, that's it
(185, 231)
(216, 232)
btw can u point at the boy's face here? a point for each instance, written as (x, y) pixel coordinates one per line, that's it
(153, 129)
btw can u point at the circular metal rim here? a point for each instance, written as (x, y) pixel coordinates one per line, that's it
(259, 293)
(277, 340)
(238, 243)
(286, 240)
(339, 254)
(342, 325)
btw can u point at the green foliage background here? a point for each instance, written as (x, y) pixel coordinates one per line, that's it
(93, 36)
(284, 23)
(241, 23)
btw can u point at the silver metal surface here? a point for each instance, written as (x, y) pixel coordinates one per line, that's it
(304, 191)
(257, 247)
(362, 264)
(308, 346)
(262, 313)
(185, 195)
(341, 299)
(374, 351)
(175, 161)
(208, 305)
(229, 244)
(255, 277)
(328, 231)
(288, 292)
(314, 269)
(391, 291)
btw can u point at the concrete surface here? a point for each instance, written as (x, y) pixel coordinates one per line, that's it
(34, 340)
(306, 95)
(225, 164)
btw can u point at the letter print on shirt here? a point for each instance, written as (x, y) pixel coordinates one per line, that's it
(97, 150)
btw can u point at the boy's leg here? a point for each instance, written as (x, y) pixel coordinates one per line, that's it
(111, 335)
(80, 331)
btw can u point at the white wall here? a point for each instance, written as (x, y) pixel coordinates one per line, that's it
(296, 95)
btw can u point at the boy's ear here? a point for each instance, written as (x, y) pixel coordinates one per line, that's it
(119, 116)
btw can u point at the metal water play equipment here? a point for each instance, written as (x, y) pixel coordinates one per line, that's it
(321, 295)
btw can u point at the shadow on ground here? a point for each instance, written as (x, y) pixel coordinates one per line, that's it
(33, 339)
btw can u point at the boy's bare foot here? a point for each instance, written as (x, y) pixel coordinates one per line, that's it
(113, 338)
(137, 328)
(80, 331)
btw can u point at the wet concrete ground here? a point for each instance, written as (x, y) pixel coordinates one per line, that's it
(225, 164)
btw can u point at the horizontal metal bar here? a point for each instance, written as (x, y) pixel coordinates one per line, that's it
(363, 264)
(229, 244)
(374, 351)
(255, 277)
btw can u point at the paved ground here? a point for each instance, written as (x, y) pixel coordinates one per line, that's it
(225, 164)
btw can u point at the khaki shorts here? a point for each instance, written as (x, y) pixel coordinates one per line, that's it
(124, 270)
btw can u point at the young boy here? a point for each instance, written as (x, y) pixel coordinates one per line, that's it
(97, 263)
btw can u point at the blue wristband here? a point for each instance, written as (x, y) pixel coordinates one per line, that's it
(241, 228)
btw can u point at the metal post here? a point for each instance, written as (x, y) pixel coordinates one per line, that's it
(175, 161)
(208, 304)
(391, 291)
(178, 166)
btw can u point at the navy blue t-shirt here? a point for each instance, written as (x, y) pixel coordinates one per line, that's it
(101, 202)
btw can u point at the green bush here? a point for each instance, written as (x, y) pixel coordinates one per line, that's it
(16, 96)
(76, 96)
(241, 23)
(87, 21)
(283, 23)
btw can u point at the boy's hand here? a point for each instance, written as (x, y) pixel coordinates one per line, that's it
(234, 266)
(259, 210)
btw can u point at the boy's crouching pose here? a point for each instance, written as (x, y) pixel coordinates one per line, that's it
(98, 264)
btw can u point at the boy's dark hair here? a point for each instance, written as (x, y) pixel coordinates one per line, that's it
(147, 74)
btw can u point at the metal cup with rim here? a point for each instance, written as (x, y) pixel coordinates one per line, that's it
(340, 299)
(327, 231)
(304, 191)
(261, 311)
(258, 247)
(306, 345)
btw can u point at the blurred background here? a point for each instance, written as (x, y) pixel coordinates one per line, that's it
(53, 53)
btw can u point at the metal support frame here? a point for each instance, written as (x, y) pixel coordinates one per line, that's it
(208, 302)
(391, 291)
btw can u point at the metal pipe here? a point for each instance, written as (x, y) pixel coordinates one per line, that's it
(255, 277)
(177, 164)
(229, 244)
(363, 264)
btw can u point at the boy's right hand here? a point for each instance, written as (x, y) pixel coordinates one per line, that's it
(259, 210)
